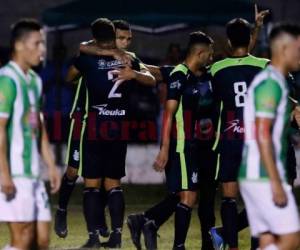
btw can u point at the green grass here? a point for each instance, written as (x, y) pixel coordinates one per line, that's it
(138, 198)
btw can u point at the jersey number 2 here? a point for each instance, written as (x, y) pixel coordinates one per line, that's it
(240, 90)
(112, 93)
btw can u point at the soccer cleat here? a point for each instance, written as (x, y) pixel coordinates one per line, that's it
(114, 241)
(135, 223)
(150, 235)
(93, 242)
(104, 232)
(60, 223)
(217, 239)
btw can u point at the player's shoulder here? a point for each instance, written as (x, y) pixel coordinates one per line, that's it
(180, 70)
(228, 62)
(8, 75)
(268, 76)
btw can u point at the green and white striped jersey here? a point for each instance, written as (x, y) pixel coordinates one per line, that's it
(267, 98)
(20, 98)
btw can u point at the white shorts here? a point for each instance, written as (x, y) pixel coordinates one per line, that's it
(262, 213)
(31, 202)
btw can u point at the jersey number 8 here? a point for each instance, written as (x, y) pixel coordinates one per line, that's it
(240, 90)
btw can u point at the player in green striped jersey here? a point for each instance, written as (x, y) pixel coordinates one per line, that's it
(270, 204)
(22, 136)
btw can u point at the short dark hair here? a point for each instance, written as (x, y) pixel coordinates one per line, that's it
(121, 25)
(103, 30)
(21, 29)
(238, 32)
(284, 28)
(198, 37)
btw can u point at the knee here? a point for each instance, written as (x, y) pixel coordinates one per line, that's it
(24, 241)
(110, 184)
(92, 183)
(43, 242)
(188, 198)
(72, 173)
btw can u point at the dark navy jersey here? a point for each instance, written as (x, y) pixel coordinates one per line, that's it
(205, 107)
(184, 87)
(230, 79)
(107, 97)
(79, 105)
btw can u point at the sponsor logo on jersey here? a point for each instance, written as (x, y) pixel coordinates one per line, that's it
(235, 126)
(109, 112)
(175, 85)
(103, 64)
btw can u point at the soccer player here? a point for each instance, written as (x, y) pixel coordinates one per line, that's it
(77, 115)
(269, 201)
(108, 82)
(176, 155)
(22, 137)
(231, 78)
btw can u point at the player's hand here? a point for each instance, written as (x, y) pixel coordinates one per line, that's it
(279, 195)
(7, 186)
(122, 56)
(296, 113)
(259, 16)
(125, 74)
(161, 160)
(55, 179)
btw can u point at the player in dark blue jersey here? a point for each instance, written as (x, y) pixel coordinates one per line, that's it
(108, 82)
(177, 154)
(77, 115)
(231, 78)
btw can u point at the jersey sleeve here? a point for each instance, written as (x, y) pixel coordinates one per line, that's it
(175, 86)
(7, 96)
(267, 96)
(79, 62)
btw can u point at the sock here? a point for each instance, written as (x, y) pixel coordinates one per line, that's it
(229, 217)
(242, 220)
(271, 247)
(102, 205)
(8, 247)
(91, 201)
(182, 222)
(162, 211)
(206, 212)
(254, 243)
(65, 191)
(116, 207)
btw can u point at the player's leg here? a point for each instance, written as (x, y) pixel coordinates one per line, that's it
(91, 201)
(67, 183)
(207, 160)
(22, 234)
(267, 241)
(103, 229)
(289, 241)
(183, 214)
(67, 186)
(114, 155)
(42, 235)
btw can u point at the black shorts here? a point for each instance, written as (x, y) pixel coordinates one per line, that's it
(102, 159)
(206, 160)
(73, 147)
(181, 170)
(230, 161)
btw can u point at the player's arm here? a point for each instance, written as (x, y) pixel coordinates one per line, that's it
(155, 71)
(143, 77)
(163, 155)
(259, 21)
(7, 97)
(48, 157)
(92, 49)
(73, 75)
(267, 97)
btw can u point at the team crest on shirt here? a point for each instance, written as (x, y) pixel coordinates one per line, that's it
(76, 155)
(175, 85)
(195, 177)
